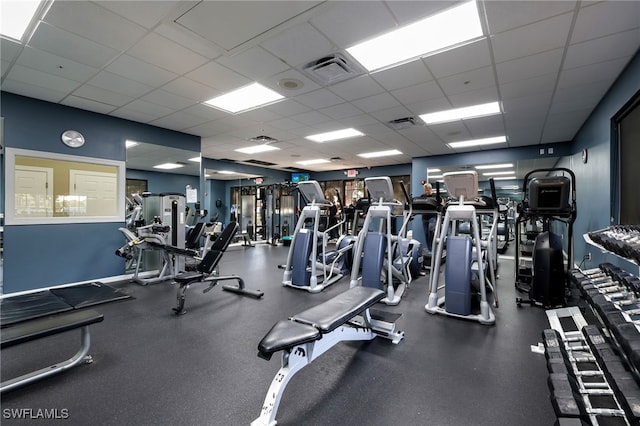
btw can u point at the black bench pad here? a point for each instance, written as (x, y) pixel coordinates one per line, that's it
(286, 334)
(26, 307)
(334, 312)
(48, 326)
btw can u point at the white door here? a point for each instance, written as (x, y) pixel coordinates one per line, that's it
(33, 192)
(96, 192)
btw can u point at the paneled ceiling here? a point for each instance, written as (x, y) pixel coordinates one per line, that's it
(547, 62)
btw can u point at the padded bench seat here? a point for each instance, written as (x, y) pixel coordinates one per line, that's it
(28, 331)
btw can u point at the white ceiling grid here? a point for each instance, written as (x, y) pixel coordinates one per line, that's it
(548, 63)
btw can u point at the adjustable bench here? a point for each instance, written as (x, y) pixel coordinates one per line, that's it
(309, 334)
(27, 331)
(207, 271)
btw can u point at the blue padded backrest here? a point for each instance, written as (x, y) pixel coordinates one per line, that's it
(375, 246)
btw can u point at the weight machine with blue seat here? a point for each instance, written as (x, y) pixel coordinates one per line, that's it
(468, 256)
(306, 268)
(384, 259)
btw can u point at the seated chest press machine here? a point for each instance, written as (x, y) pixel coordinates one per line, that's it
(306, 268)
(386, 260)
(461, 267)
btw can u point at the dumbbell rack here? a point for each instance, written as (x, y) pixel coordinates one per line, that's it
(589, 382)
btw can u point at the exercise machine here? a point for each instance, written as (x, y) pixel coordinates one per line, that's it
(306, 268)
(430, 209)
(387, 261)
(468, 256)
(551, 199)
(208, 272)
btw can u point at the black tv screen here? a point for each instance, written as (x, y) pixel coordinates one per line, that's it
(549, 193)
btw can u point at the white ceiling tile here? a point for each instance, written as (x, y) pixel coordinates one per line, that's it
(299, 45)
(625, 14)
(232, 24)
(308, 85)
(530, 66)
(38, 92)
(540, 84)
(579, 97)
(452, 131)
(9, 49)
(410, 11)
(135, 69)
(218, 77)
(255, 63)
(103, 96)
(166, 99)
(468, 81)
(119, 84)
(523, 136)
(358, 120)
(132, 114)
(287, 107)
(375, 130)
(341, 111)
(87, 104)
(527, 104)
(149, 109)
(349, 22)
(191, 89)
(166, 54)
(531, 39)
(486, 126)
(386, 115)
(603, 49)
(357, 88)
(317, 99)
(184, 37)
(52, 64)
(145, 13)
(475, 97)
(461, 59)
(505, 15)
(419, 92)
(376, 103)
(404, 75)
(4, 67)
(205, 112)
(71, 46)
(207, 129)
(431, 105)
(261, 115)
(311, 118)
(41, 79)
(90, 21)
(608, 70)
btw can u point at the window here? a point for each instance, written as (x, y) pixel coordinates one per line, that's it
(46, 188)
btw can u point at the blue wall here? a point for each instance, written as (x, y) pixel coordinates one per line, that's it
(38, 256)
(594, 193)
(165, 182)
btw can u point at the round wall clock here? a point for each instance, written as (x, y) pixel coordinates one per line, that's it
(72, 138)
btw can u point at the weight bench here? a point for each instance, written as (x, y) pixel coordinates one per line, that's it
(309, 334)
(207, 271)
(27, 331)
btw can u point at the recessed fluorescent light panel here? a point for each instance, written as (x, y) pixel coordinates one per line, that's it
(505, 178)
(310, 162)
(433, 170)
(226, 172)
(195, 159)
(380, 154)
(510, 172)
(245, 98)
(465, 113)
(16, 17)
(477, 142)
(443, 30)
(256, 149)
(335, 135)
(168, 166)
(129, 144)
(494, 166)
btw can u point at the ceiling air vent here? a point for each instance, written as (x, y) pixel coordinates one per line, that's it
(331, 69)
(263, 139)
(402, 123)
(259, 162)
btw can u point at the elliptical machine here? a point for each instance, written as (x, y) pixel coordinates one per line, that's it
(305, 266)
(550, 199)
(386, 260)
(461, 267)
